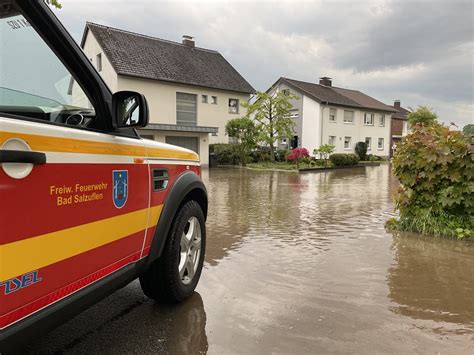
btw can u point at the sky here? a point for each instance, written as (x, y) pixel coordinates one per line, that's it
(419, 52)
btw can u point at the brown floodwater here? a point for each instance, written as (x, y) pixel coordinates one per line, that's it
(297, 264)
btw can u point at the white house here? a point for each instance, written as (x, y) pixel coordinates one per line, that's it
(191, 92)
(325, 114)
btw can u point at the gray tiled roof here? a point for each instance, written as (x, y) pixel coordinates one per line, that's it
(402, 113)
(364, 100)
(321, 93)
(148, 57)
(337, 96)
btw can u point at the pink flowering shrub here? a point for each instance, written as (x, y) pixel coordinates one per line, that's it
(298, 154)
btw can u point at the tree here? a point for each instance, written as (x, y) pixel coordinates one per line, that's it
(435, 167)
(361, 150)
(244, 131)
(297, 155)
(54, 3)
(324, 151)
(271, 113)
(468, 129)
(423, 115)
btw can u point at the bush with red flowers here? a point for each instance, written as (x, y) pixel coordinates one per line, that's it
(297, 155)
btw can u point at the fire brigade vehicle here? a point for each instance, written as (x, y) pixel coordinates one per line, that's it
(87, 205)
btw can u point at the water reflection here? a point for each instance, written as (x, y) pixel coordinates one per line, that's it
(188, 327)
(432, 279)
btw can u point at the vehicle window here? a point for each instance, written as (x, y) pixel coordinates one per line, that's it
(33, 81)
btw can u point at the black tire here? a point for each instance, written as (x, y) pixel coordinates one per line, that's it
(162, 281)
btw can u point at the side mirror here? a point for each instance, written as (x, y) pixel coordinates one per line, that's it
(129, 109)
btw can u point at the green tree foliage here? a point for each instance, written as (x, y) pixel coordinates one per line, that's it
(271, 113)
(54, 3)
(423, 115)
(468, 129)
(324, 151)
(361, 150)
(244, 131)
(435, 167)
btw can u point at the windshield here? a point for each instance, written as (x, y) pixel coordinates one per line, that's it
(32, 78)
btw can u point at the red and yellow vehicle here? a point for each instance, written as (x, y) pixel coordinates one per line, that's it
(86, 205)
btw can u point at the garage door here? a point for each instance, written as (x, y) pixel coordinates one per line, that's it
(185, 142)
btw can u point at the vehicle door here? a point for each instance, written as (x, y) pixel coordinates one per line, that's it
(74, 197)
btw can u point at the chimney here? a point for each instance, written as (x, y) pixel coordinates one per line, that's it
(396, 104)
(188, 41)
(326, 81)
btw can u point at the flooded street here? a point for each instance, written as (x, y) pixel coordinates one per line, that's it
(297, 264)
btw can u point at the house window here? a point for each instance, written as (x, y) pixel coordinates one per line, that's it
(233, 106)
(286, 92)
(294, 113)
(347, 142)
(382, 121)
(348, 116)
(332, 115)
(369, 119)
(204, 99)
(332, 140)
(380, 144)
(99, 61)
(214, 100)
(186, 109)
(368, 141)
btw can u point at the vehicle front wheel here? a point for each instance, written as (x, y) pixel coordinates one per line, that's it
(174, 276)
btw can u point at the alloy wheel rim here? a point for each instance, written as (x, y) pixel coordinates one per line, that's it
(190, 250)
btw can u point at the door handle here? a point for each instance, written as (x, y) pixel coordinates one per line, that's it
(22, 156)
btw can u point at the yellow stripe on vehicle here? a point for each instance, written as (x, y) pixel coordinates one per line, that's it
(70, 145)
(29, 254)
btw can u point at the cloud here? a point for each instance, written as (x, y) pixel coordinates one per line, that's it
(421, 52)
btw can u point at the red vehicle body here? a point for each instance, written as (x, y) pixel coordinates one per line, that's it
(86, 204)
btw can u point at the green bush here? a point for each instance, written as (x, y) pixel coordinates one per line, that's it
(227, 154)
(342, 159)
(282, 154)
(373, 157)
(361, 150)
(435, 167)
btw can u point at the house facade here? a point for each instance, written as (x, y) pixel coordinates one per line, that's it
(325, 114)
(399, 125)
(191, 92)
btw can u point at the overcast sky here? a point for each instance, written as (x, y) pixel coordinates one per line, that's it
(421, 52)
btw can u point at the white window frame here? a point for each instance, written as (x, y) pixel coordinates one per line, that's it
(332, 140)
(378, 143)
(332, 117)
(294, 113)
(369, 145)
(204, 99)
(233, 109)
(370, 121)
(382, 120)
(214, 100)
(192, 122)
(98, 62)
(349, 143)
(353, 117)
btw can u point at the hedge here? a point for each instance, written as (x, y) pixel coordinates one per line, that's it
(341, 159)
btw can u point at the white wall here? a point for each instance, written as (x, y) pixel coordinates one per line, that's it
(311, 124)
(357, 130)
(161, 97)
(91, 49)
(160, 136)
